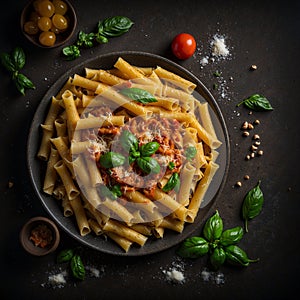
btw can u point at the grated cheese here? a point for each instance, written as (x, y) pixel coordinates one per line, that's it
(57, 279)
(219, 47)
(174, 275)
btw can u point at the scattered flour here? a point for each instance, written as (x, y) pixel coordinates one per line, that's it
(94, 272)
(209, 276)
(219, 47)
(59, 278)
(218, 50)
(175, 273)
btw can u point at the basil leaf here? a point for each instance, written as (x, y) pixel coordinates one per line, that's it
(252, 204)
(190, 152)
(112, 193)
(77, 267)
(193, 247)
(213, 227)
(231, 236)
(237, 256)
(85, 39)
(101, 39)
(171, 165)
(71, 52)
(116, 190)
(7, 62)
(149, 148)
(133, 156)
(217, 258)
(138, 95)
(257, 102)
(18, 57)
(65, 255)
(19, 86)
(111, 160)
(25, 81)
(148, 165)
(129, 141)
(114, 26)
(172, 183)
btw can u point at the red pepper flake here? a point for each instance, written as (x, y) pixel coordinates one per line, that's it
(41, 236)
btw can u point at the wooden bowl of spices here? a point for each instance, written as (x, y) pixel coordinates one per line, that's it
(39, 236)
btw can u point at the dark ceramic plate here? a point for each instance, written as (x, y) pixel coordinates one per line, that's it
(37, 168)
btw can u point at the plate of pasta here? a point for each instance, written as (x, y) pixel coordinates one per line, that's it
(128, 152)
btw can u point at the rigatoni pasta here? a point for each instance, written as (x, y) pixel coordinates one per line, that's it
(130, 152)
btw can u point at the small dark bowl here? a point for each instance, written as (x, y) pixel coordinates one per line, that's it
(60, 38)
(29, 245)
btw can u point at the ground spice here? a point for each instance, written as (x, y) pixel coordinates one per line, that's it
(41, 236)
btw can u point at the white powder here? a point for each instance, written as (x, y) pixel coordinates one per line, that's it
(175, 275)
(93, 271)
(57, 279)
(204, 61)
(216, 277)
(218, 50)
(219, 47)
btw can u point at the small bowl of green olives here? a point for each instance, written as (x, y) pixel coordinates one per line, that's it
(48, 23)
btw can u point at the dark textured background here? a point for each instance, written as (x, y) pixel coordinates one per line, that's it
(257, 32)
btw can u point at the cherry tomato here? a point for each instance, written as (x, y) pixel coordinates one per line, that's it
(183, 45)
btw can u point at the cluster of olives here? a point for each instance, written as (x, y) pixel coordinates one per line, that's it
(47, 20)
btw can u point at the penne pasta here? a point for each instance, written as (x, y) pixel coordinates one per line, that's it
(128, 166)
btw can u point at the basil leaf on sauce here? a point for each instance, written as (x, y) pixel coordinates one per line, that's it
(149, 148)
(111, 159)
(129, 141)
(148, 165)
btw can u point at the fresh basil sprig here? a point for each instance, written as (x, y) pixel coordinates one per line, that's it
(138, 95)
(252, 204)
(257, 102)
(71, 52)
(140, 154)
(221, 246)
(13, 63)
(109, 27)
(75, 261)
(85, 39)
